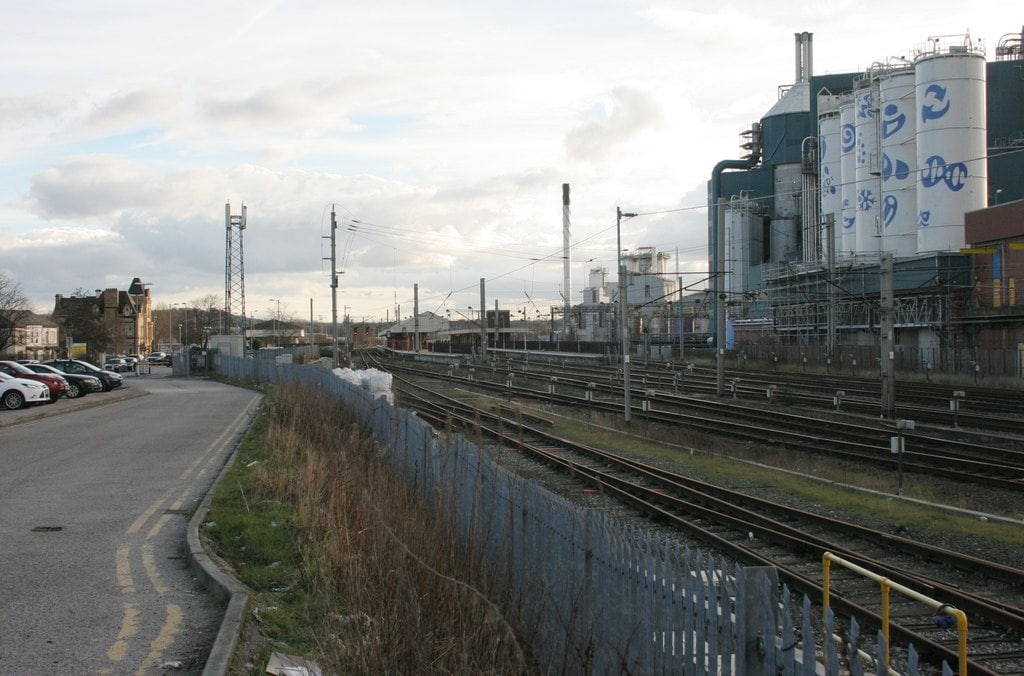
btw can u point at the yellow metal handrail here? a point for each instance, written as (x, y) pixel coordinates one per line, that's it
(887, 584)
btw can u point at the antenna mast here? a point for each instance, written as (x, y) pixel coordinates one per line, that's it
(234, 274)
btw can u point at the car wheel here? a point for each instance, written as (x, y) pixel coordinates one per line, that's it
(53, 400)
(13, 400)
(74, 391)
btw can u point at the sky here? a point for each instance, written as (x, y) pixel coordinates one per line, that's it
(440, 133)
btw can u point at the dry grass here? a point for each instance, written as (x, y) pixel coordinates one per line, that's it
(391, 594)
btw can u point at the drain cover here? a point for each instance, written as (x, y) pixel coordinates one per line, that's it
(47, 529)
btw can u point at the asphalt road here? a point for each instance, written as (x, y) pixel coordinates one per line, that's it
(95, 495)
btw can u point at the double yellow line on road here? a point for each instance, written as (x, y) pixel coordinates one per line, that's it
(155, 517)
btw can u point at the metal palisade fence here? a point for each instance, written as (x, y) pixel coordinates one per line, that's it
(591, 594)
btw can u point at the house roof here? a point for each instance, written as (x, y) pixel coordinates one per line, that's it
(33, 319)
(429, 322)
(272, 325)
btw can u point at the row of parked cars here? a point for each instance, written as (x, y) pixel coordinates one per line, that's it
(27, 382)
(131, 362)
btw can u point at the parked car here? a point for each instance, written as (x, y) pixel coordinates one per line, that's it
(79, 384)
(18, 392)
(158, 359)
(116, 364)
(57, 385)
(110, 379)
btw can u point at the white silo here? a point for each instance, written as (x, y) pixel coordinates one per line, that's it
(848, 191)
(866, 165)
(897, 126)
(743, 244)
(737, 252)
(951, 144)
(830, 178)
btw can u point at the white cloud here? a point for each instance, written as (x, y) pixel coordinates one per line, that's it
(92, 186)
(629, 113)
(446, 128)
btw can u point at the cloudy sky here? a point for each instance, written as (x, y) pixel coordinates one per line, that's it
(440, 132)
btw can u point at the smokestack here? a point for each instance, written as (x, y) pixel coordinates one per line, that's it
(804, 56)
(566, 260)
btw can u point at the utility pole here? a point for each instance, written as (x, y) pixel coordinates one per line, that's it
(335, 359)
(483, 321)
(887, 356)
(416, 316)
(679, 281)
(567, 324)
(623, 310)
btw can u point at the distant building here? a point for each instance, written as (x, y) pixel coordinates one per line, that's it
(126, 316)
(276, 333)
(650, 294)
(402, 335)
(896, 161)
(35, 337)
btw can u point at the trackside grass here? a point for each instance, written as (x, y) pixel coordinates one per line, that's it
(343, 566)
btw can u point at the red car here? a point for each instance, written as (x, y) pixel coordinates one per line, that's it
(57, 385)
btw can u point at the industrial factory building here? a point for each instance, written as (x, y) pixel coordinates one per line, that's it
(909, 173)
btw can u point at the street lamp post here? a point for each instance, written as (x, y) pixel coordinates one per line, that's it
(170, 327)
(277, 315)
(624, 307)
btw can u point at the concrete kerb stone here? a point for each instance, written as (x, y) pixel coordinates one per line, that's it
(220, 583)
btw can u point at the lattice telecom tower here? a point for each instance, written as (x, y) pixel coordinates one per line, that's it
(234, 274)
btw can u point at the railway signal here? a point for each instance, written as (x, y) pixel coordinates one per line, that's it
(954, 404)
(896, 445)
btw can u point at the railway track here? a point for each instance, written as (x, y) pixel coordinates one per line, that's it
(991, 410)
(959, 455)
(760, 532)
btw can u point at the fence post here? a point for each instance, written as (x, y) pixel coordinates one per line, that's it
(586, 625)
(757, 608)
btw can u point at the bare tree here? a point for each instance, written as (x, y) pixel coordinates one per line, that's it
(13, 308)
(291, 325)
(81, 320)
(207, 313)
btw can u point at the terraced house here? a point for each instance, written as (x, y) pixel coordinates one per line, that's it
(33, 337)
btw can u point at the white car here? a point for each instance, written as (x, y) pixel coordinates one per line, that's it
(18, 392)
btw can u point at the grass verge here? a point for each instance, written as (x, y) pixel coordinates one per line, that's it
(342, 565)
(731, 464)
